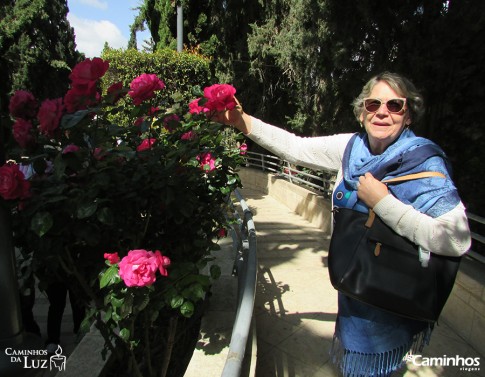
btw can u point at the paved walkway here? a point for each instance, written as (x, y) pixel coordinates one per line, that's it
(296, 305)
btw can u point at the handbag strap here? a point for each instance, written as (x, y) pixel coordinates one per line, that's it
(410, 177)
(403, 178)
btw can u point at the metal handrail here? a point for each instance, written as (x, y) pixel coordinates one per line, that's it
(245, 268)
(321, 181)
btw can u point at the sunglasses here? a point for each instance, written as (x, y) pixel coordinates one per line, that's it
(395, 105)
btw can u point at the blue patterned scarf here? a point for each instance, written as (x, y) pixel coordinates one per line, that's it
(369, 341)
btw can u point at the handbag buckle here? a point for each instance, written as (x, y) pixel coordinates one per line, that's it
(377, 249)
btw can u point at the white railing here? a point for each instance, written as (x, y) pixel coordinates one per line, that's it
(321, 181)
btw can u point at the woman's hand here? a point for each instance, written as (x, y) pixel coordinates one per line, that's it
(235, 117)
(371, 190)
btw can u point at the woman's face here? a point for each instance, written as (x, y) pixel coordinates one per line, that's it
(383, 126)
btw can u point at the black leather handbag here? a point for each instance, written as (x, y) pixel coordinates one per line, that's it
(370, 262)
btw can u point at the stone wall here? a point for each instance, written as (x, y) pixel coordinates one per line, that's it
(465, 308)
(310, 205)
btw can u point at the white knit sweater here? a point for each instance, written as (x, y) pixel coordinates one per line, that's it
(448, 234)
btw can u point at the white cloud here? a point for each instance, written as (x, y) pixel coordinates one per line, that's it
(91, 35)
(95, 3)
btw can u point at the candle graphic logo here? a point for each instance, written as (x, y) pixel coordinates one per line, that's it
(58, 360)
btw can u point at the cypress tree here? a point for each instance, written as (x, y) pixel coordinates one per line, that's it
(37, 48)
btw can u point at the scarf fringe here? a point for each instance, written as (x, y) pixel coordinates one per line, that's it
(359, 364)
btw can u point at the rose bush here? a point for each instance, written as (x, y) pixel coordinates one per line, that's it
(148, 197)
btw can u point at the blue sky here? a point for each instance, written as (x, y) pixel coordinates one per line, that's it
(98, 21)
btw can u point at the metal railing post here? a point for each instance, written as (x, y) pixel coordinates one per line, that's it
(180, 27)
(289, 173)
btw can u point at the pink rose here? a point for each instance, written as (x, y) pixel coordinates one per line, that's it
(12, 182)
(49, 115)
(112, 258)
(162, 262)
(84, 78)
(138, 268)
(189, 135)
(243, 149)
(70, 149)
(23, 105)
(207, 162)
(144, 87)
(80, 97)
(195, 108)
(220, 97)
(222, 233)
(146, 144)
(21, 132)
(88, 71)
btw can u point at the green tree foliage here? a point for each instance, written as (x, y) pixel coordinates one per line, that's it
(161, 19)
(447, 60)
(288, 55)
(37, 48)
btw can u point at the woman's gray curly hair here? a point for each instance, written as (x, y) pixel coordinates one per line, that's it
(401, 85)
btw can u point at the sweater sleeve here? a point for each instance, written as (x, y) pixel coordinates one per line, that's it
(448, 234)
(323, 152)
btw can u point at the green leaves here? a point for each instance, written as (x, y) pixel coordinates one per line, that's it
(176, 302)
(72, 120)
(110, 276)
(41, 223)
(231, 179)
(86, 209)
(194, 292)
(187, 309)
(105, 216)
(125, 334)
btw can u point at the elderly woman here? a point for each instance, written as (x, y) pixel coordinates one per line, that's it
(369, 341)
